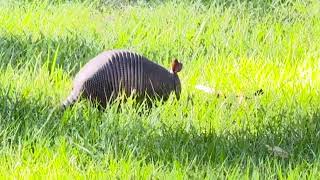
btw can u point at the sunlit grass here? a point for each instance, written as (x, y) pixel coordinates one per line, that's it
(235, 49)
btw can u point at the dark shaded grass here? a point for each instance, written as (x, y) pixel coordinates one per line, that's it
(72, 51)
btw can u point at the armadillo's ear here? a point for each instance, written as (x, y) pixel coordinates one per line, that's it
(176, 66)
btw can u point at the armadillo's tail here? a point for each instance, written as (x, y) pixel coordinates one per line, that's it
(70, 100)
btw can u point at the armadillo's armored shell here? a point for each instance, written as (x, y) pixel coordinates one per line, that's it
(107, 75)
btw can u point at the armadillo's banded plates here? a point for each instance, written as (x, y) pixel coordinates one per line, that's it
(105, 76)
(111, 72)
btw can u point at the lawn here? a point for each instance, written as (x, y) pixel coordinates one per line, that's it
(233, 47)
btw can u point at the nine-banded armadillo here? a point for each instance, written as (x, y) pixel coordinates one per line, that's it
(112, 72)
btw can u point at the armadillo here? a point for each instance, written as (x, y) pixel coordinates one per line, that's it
(113, 72)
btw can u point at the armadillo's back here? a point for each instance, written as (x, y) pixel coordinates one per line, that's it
(112, 72)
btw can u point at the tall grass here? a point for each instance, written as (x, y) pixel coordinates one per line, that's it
(235, 48)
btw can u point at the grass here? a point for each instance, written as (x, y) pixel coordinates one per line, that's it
(233, 47)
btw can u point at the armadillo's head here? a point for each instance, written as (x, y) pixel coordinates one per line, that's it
(176, 67)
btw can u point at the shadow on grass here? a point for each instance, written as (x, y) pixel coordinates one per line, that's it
(96, 134)
(24, 50)
(186, 143)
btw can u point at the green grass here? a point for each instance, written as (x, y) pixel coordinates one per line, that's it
(233, 47)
